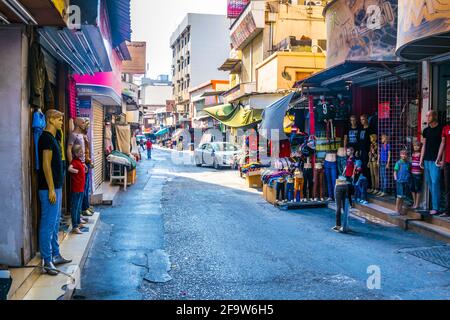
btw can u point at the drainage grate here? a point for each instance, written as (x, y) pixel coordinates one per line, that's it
(436, 255)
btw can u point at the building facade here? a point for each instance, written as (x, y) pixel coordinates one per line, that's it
(199, 44)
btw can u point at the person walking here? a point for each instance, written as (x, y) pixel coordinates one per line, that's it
(444, 161)
(149, 146)
(432, 136)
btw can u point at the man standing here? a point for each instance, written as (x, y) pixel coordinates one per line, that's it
(444, 160)
(149, 146)
(429, 158)
(50, 180)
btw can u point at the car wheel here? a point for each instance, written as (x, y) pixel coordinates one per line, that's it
(216, 165)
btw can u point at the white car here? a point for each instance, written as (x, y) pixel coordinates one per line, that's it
(217, 155)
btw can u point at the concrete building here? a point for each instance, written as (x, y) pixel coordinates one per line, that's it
(274, 45)
(200, 43)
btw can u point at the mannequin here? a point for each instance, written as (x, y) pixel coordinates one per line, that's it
(341, 160)
(290, 189)
(280, 188)
(86, 209)
(38, 127)
(50, 179)
(77, 137)
(364, 146)
(298, 185)
(331, 173)
(373, 164)
(307, 180)
(318, 182)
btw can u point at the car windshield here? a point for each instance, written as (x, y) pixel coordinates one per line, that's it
(224, 147)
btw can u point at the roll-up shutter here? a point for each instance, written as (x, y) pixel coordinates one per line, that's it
(97, 143)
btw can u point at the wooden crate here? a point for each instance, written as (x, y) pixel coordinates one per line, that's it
(131, 177)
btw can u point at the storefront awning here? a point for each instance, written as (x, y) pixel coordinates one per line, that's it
(360, 73)
(162, 132)
(235, 117)
(232, 65)
(273, 118)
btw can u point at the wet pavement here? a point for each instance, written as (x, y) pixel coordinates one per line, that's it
(183, 232)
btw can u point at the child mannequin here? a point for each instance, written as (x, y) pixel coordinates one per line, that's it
(373, 164)
(298, 185)
(384, 161)
(417, 174)
(290, 189)
(402, 175)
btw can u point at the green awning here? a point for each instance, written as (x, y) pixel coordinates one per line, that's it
(235, 117)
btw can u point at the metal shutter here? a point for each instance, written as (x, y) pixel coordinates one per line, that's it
(97, 143)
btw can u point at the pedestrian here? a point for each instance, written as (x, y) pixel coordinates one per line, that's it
(444, 161)
(142, 144)
(341, 194)
(77, 184)
(149, 145)
(417, 174)
(429, 156)
(402, 176)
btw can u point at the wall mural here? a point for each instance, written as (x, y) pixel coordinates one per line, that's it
(361, 30)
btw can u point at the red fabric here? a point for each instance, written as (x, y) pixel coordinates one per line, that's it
(78, 180)
(350, 166)
(285, 149)
(149, 144)
(446, 136)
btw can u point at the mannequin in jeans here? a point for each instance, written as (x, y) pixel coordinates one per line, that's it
(331, 173)
(50, 177)
(432, 136)
(373, 164)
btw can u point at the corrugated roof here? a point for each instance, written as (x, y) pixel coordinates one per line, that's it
(120, 19)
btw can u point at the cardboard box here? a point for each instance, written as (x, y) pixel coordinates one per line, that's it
(254, 181)
(271, 194)
(265, 191)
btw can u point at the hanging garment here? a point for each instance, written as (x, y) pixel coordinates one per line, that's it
(38, 126)
(41, 94)
(319, 183)
(108, 139)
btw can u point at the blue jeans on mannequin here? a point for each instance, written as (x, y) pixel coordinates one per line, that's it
(330, 176)
(383, 177)
(433, 177)
(75, 209)
(87, 190)
(49, 228)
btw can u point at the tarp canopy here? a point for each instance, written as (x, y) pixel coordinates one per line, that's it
(162, 132)
(273, 118)
(235, 117)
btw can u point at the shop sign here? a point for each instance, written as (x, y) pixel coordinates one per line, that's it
(137, 64)
(245, 29)
(235, 8)
(418, 19)
(384, 110)
(361, 30)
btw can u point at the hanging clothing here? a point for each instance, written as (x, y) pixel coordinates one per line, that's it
(41, 94)
(38, 126)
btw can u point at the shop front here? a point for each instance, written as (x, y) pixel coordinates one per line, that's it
(424, 36)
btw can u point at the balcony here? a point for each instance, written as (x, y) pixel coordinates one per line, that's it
(240, 91)
(250, 23)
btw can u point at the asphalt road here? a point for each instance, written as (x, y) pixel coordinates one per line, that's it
(195, 233)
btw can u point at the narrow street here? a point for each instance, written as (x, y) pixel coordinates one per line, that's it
(183, 232)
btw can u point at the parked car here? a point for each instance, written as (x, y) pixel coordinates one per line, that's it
(217, 155)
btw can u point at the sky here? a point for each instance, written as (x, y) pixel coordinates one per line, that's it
(154, 21)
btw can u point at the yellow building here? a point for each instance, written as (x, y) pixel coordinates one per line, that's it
(274, 45)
